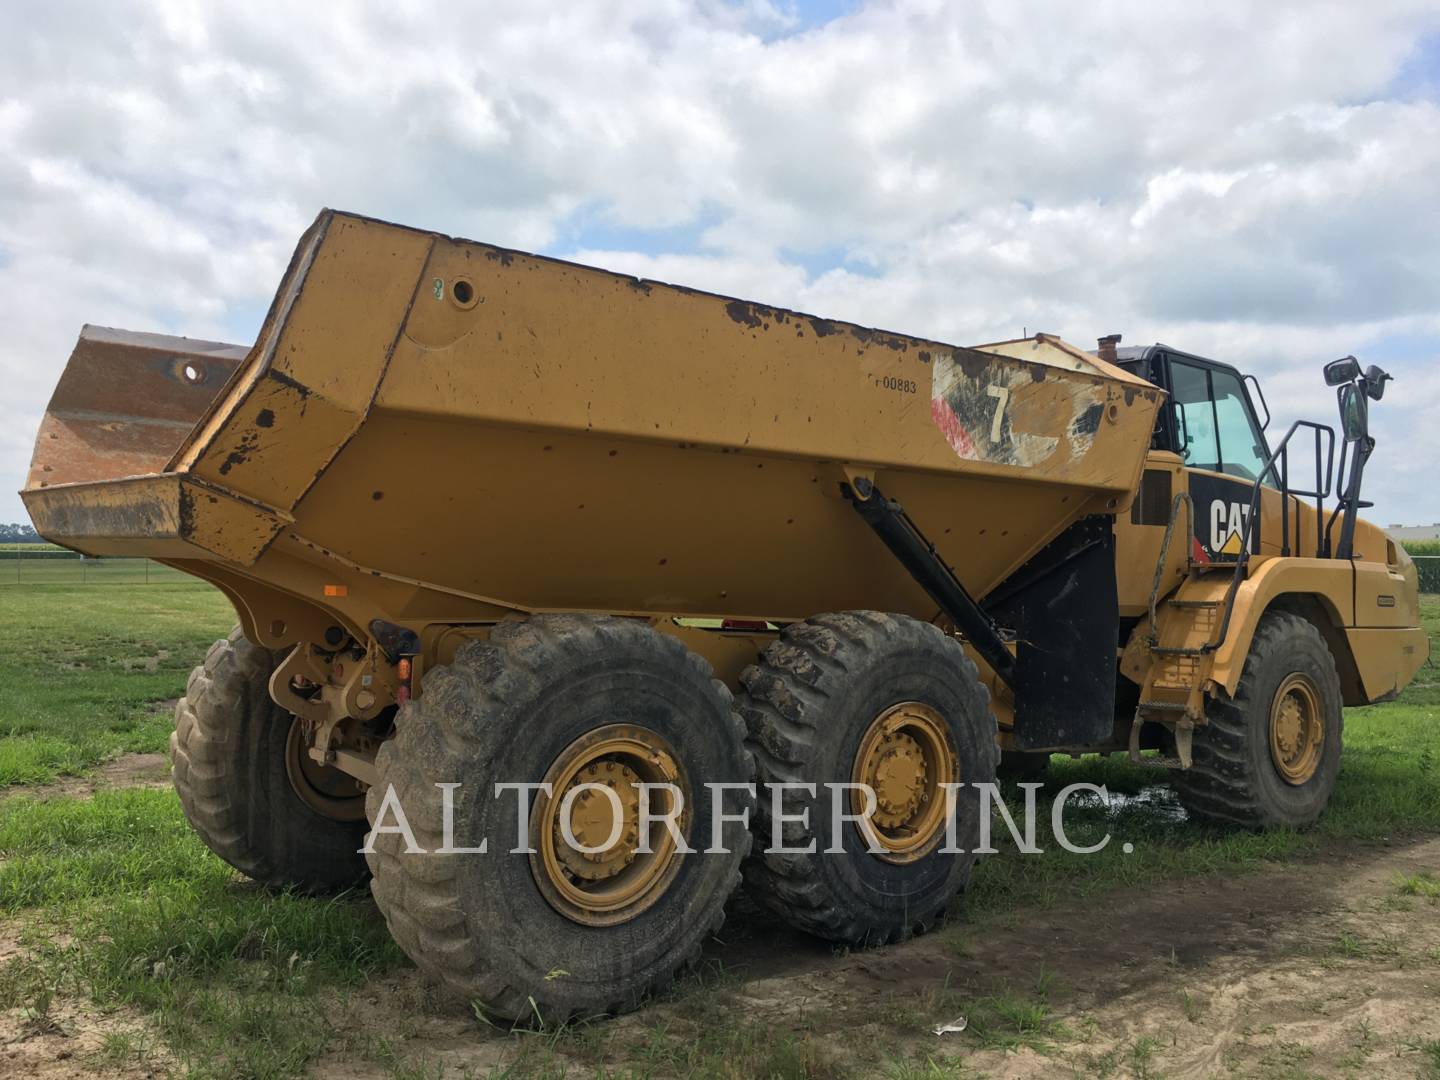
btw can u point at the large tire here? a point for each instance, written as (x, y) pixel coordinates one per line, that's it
(229, 752)
(1235, 776)
(507, 709)
(808, 705)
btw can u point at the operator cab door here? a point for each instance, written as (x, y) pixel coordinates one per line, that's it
(1216, 434)
(1208, 442)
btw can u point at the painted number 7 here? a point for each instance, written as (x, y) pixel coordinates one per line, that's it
(1001, 394)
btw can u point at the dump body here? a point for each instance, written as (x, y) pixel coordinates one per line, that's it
(434, 431)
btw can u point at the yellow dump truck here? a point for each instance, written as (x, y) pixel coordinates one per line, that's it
(522, 550)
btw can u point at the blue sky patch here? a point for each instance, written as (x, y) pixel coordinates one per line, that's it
(1419, 76)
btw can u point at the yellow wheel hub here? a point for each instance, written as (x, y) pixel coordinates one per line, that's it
(593, 821)
(904, 758)
(586, 832)
(1297, 730)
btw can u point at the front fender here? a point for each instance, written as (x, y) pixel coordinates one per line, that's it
(1330, 582)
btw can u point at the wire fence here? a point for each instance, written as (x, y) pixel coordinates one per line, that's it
(68, 568)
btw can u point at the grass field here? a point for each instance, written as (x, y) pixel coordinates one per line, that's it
(118, 910)
(83, 668)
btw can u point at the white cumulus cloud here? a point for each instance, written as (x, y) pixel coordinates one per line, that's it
(1251, 182)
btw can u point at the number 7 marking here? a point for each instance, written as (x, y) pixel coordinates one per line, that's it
(1001, 394)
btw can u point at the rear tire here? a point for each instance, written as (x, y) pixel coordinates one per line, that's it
(229, 764)
(810, 704)
(501, 929)
(1286, 717)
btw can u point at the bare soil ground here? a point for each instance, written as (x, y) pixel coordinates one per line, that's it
(66, 1039)
(1321, 969)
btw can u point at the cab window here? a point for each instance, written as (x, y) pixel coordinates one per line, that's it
(1216, 428)
(1242, 448)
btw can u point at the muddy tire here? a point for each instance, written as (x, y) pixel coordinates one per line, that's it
(504, 930)
(228, 754)
(811, 706)
(1270, 755)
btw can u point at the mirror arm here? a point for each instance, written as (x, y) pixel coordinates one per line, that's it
(1363, 447)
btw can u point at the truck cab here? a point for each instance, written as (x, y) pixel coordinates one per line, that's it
(1234, 538)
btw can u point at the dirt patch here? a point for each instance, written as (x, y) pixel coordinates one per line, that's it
(145, 663)
(129, 770)
(421, 1022)
(66, 1041)
(125, 771)
(1322, 968)
(53, 1039)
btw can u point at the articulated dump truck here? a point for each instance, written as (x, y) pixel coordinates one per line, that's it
(608, 577)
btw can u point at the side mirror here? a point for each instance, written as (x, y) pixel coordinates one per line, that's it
(1339, 372)
(1352, 413)
(1375, 381)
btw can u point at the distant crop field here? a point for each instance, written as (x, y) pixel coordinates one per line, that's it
(1427, 562)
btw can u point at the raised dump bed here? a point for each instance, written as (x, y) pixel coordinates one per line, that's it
(445, 429)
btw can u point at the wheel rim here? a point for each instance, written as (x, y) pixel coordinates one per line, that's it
(904, 758)
(619, 881)
(1297, 732)
(329, 792)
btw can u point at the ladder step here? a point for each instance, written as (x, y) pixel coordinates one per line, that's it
(1159, 763)
(1177, 650)
(1194, 603)
(1163, 706)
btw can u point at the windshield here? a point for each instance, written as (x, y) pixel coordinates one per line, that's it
(1217, 428)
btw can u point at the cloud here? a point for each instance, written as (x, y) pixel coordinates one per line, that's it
(1250, 182)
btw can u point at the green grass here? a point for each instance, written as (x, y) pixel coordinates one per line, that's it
(125, 906)
(1425, 884)
(82, 668)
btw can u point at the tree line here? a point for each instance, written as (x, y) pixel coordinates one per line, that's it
(18, 533)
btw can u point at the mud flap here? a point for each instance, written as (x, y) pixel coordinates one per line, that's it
(1062, 605)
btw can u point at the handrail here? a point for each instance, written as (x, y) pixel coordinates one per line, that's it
(1252, 518)
(1339, 503)
(1181, 499)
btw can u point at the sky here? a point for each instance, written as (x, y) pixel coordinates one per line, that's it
(1257, 183)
